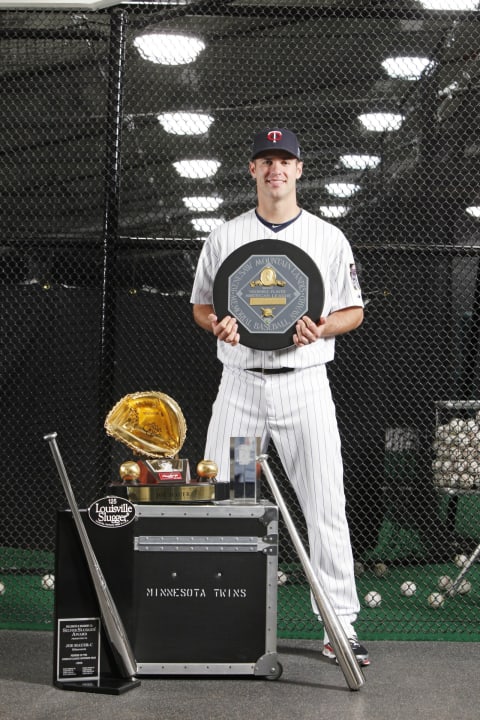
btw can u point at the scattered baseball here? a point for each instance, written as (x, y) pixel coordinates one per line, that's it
(436, 600)
(373, 599)
(380, 569)
(48, 581)
(464, 587)
(358, 568)
(460, 560)
(445, 582)
(281, 577)
(408, 588)
(2, 588)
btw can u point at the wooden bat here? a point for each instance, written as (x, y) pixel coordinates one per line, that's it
(345, 655)
(112, 622)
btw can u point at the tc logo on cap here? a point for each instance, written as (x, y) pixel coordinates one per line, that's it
(273, 140)
(274, 136)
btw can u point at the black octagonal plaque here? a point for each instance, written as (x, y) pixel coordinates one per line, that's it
(267, 286)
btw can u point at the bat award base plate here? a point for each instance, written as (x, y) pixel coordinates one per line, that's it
(104, 685)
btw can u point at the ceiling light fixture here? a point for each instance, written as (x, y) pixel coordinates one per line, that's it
(185, 123)
(473, 210)
(333, 211)
(206, 224)
(381, 121)
(196, 169)
(405, 68)
(202, 203)
(342, 189)
(450, 4)
(359, 162)
(167, 49)
(59, 4)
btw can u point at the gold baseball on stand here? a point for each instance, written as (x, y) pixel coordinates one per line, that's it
(129, 470)
(207, 468)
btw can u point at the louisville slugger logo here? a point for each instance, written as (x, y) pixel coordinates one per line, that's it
(274, 136)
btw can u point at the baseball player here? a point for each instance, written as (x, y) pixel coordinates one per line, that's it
(284, 395)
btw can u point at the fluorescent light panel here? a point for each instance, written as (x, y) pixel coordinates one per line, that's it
(473, 210)
(206, 224)
(381, 121)
(196, 169)
(202, 203)
(359, 162)
(185, 123)
(450, 4)
(168, 49)
(342, 189)
(333, 211)
(405, 68)
(59, 4)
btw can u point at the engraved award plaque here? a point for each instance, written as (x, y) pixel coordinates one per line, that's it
(267, 286)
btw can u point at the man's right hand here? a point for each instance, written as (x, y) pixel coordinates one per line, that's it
(225, 329)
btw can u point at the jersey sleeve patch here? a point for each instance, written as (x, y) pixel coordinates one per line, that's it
(354, 277)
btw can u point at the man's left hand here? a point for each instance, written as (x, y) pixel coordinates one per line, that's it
(307, 331)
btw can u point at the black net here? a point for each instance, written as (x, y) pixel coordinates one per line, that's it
(114, 166)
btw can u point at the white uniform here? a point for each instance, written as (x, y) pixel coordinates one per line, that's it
(294, 409)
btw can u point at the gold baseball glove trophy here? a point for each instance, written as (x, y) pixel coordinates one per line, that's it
(152, 424)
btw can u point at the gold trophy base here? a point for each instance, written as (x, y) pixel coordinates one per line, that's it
(171, 493)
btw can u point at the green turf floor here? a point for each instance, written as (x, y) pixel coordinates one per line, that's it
(26, 605)
(397, 617)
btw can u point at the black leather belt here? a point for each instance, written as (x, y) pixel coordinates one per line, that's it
(271, 371)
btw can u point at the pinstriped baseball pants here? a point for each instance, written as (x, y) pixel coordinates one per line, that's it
(296, 411)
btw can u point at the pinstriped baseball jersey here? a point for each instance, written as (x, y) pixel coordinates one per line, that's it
(295, 409)
(325, 244)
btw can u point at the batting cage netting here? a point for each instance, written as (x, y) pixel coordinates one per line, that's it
(126, 132)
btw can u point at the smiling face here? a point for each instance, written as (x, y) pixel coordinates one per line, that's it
(276, 173)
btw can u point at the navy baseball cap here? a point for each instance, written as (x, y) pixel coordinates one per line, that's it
(275, 139)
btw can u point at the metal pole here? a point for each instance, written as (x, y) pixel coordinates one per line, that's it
(118, 22)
